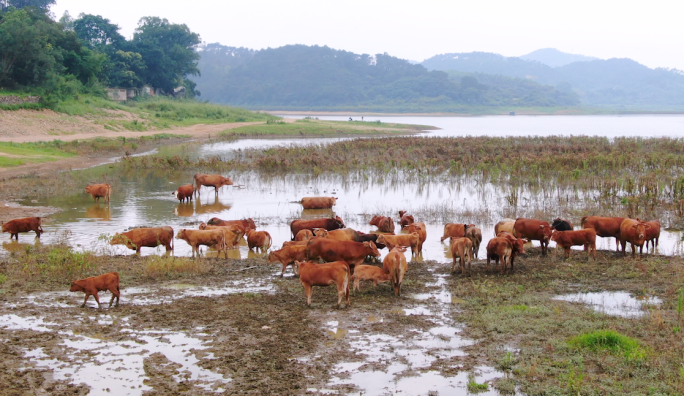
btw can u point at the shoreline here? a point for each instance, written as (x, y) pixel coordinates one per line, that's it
(444, 114)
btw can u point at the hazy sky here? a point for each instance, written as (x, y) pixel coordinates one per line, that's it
(648, 32)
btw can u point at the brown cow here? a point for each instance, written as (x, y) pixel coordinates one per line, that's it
(233, 233)
(505, 225)
(138, 238)
(209, 238)
(369, 273)
(245, 223)
(288, 255)
(653, 233)
(518, 245)
(353, 253)
(475, 236)
(337, 272)
(90, 286)
(405, 240)
(259, 239)
(304, 235)
(184, 193)
(99, 191)
(605, 227)
(318, 202)
(343, 234)
(499, 249)
(405, 220)
(384, 223)
(634, 232)
(216, 181)
(534, 230)
(567, 239)
(462, 248)
(14, 227)
(328, 224)
(295, 243)
(454, 230)
(421, 230)
(395, 264)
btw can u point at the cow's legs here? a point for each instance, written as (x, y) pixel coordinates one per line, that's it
(308, 289)
(86, 300)
(97, 300)
(115, 293)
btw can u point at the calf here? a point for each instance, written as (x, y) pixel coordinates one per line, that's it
(500, 250)
(534, 230)
(99, 191)
(138, 238)
(605, 227)
(395, 264)
(369, 273)
(216, 181)
(288, 255)
(517, 245)
(461, 248)
(184, 193)
(232, 233)
(14, 227)
(318, 202)
(634, 232)
(653, 233)
(259, 239)
(405, 240)
(454, 230)
(90, 286)
(567, 239)
(405, 220)
(420, 229)
(337, 273)
(475, 236)
(209, 238)
(384, 223)
(561, 225)
(304, 235)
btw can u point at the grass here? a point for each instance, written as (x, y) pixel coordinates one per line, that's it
(23, 153)
(611, 341)
(156, 267)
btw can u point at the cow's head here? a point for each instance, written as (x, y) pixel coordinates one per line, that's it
(555, 234)
(251, 223)
(87, 189)
(373, 249)
(402, 213)
(181, 234)
(333, 200)
(640, 228)
(545, 231)
(320, 232)
(121, 239)
(414, 228)
(465, 227)
(338, 222)
(225, 181)
(374, 221)
(400, 249)
(214, 221)
(273, 256)
(75, 287)
(519, 246)
(203, 226)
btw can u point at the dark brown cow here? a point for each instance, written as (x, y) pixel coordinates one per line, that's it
(288, 255)
(461, 249)
(99, 191)
(405, 220)
(145, 237)
(259, 239)
(369, 273)
(421, 230)
(353, 253)
(567, 239)
(634, 232)
(184, 193)
(245, 223)
(384, 223)
(605, 227)
(395, 264)
(454, 230)
(475, 236)
(405, 240)
(534, 230)
(562, 224)
(14, 227)
(216, 181)
(500, 250)
(363, 237)
(653, 233)
(328, 224)
(304, 235)
(518, 245)
(209, 238)
(337, 273)
(90, 286)
(232, 233)
(318, 202)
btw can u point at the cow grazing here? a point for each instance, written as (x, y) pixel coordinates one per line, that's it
(304, 235)
(500, 250)
(363, 237)
(318, 202)
(454, 230)
(507, 225)
(288, 255)
(245, 223)
(90, 286)
(404, 240)
(517, 245)
(475, 236)
(534, 230)
(216, 181)
(653, 233)
(395, 264)
(567, 239)
(209, 238)
(421, 230)
(184, 193)
(337, 273)
(634, 232)
(461, 249)
(14, 227)
(369, 273)
(261, 240)
(232, 233)
(561, 225)
(145, 237)
(354, 253)
(384, 223)
(334, 223)
(99, 191)
(405, 220)
(605, 227)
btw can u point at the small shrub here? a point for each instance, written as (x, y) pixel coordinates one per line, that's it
(3, 278)
(474, 387)
(612, 341)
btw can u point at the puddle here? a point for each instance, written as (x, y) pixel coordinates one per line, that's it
(118, 367)
(613, 303)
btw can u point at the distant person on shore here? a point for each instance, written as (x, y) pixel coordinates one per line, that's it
(361, 118)
(350, 119)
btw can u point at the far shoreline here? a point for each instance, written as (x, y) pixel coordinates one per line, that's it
(444, 114)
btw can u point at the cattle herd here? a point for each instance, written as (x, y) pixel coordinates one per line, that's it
(344, 250)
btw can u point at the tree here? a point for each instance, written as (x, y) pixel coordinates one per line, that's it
(97, 32)
(42, 4)
(168, 51)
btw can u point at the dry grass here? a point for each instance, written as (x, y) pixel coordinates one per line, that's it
(157, 267)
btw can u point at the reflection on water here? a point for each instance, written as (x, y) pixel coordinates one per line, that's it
(310, 214)
(202, 205)
(17, 247)
(613, 303)
(98, 212)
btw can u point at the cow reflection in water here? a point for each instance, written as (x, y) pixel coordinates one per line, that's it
(99, 212)
(311, 214)
(16, 247)
(231, 253)
(187, 209)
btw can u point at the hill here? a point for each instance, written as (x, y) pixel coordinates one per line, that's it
(555, 58)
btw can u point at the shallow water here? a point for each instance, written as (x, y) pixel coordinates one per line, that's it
(613, 303)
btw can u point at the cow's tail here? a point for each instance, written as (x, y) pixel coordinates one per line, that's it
(347, 279)
(109, 192)
(40, 224)
(270, 240)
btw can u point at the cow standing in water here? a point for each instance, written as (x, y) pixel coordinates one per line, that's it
(318, 202)
(216, 181)
(14, 227)
(99, 191)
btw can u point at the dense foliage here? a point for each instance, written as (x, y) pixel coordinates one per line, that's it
(298, 76)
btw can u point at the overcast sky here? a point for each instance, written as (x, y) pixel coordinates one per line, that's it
(648, 32)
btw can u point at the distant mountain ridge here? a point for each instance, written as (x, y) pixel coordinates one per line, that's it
(555, 58)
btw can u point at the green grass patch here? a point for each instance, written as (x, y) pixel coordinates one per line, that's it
(474, 387)
(612, 341)
(23, 153)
